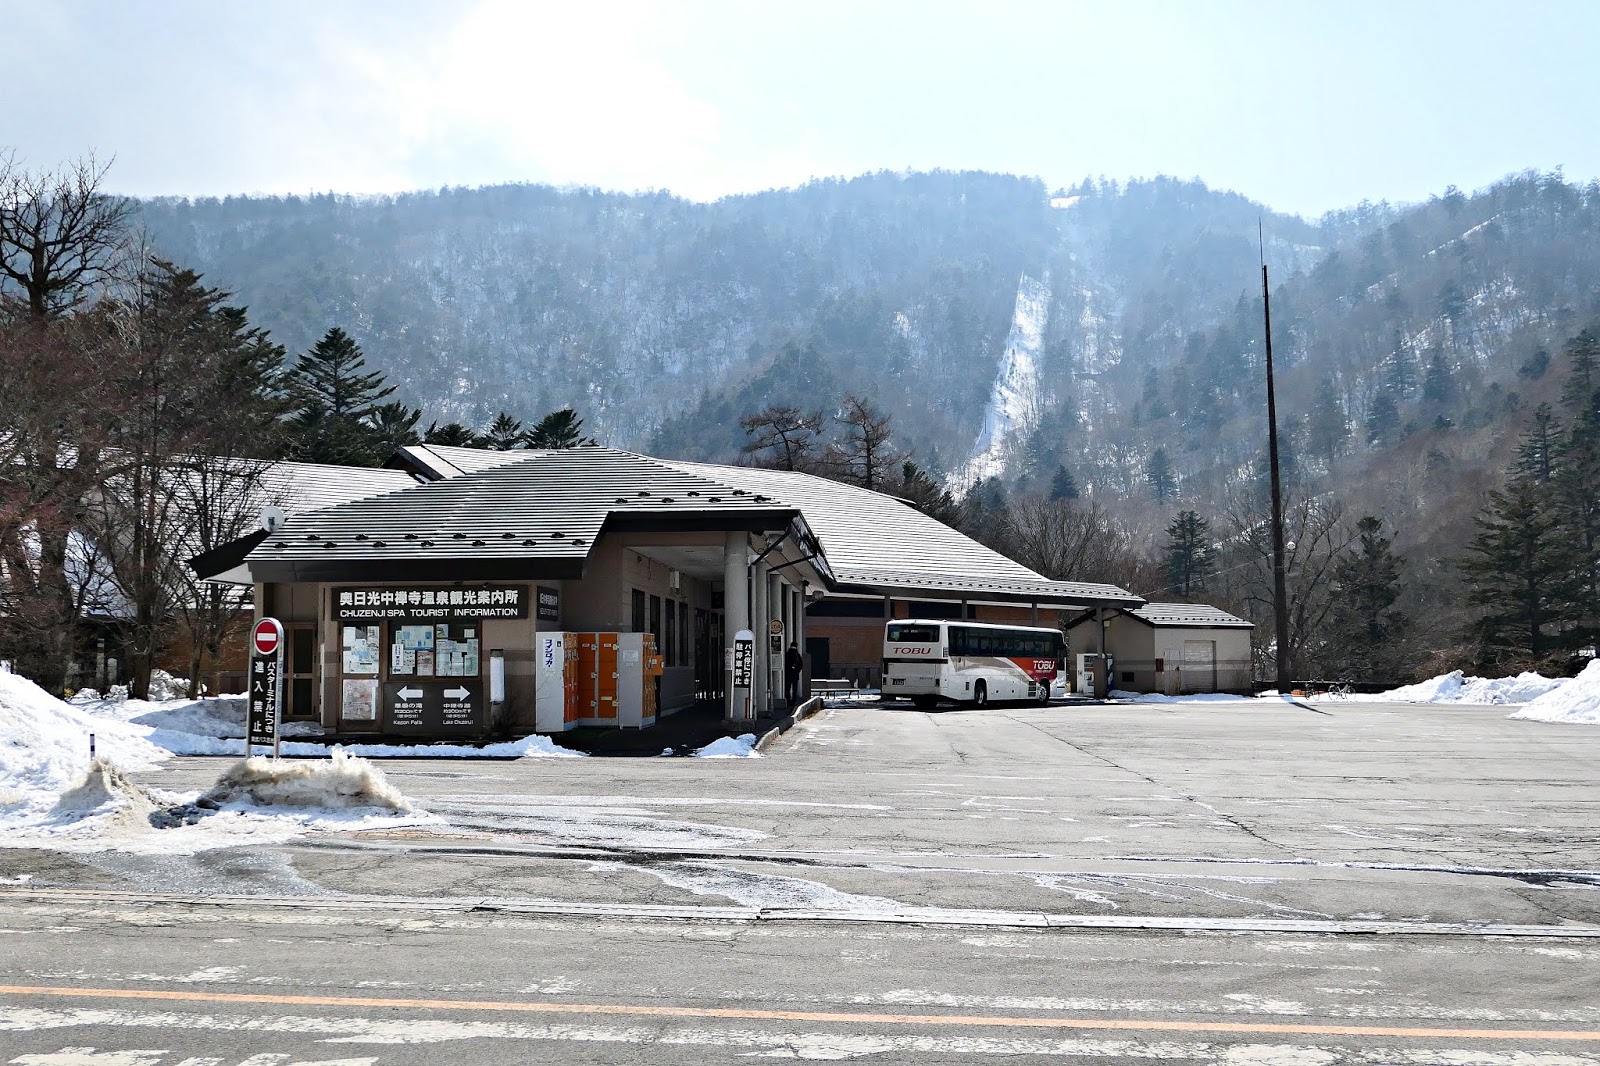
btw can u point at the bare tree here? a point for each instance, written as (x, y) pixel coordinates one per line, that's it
(1073, 540)
(1316, 536)
(866, 455)
(61, 236)
(782, 437)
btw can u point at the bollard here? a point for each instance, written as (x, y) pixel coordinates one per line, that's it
(91, 747)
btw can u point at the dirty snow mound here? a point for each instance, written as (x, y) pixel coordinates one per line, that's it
(343, 781)
(740, 747)
(105, 790)
(1576, 701)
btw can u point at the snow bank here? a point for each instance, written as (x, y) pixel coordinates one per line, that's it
(1456, 687)
(44, 743)
(1576, 701)
(740, 747)
(1156, 697)
(343, 781)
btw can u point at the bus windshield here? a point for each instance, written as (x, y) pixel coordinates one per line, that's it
(914, 634)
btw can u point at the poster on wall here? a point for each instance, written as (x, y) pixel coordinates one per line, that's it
(361, 648)
(360, 700)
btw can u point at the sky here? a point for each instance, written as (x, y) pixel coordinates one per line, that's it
(1306, 107)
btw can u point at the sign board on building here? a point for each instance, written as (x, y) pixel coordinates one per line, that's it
(266, 685)
(434, 707)
(775, 636)
(548, 602)
(744, 654)
(431, 604)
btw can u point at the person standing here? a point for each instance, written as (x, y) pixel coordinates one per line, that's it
(794, 665)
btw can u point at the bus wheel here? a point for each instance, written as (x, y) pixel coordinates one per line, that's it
(1044, 693)
(925, 703)
(980, 694)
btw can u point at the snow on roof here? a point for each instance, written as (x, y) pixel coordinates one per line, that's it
(1194, 615)
(871, 540)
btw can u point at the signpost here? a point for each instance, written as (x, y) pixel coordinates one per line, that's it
(266, 685)
(744, 656)
(455, 705)
(775, 636)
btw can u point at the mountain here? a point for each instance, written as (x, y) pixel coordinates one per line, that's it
(1010, 329)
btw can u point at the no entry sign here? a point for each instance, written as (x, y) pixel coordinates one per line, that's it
(266, 685)
(267, 638)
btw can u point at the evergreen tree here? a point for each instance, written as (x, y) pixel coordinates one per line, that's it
(394, 426)
(1160, 476)
(1577, 503)
(1327, 427)
(334, 397)
(1190, 553)
(1402, 376)
(558, 430)
(1438, 385)
(1536, 456)
(926, 494)
(504, 434)
(1520, 570)
(451, 434)
(1580, 394)
(1383, 420)
(1368, 637)
(1062, 485)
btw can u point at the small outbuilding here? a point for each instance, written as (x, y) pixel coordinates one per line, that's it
(1170, 648)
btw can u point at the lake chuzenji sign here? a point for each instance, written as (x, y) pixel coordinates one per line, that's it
(432, 604)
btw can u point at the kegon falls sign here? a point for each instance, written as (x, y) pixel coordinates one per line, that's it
(432, 604)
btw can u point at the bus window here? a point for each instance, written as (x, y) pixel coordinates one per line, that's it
(914, 634)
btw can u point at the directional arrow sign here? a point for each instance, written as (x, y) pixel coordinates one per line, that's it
(457, 693)
(410, 693)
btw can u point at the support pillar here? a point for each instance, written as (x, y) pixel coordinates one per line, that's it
(735, 615)
(758, 626)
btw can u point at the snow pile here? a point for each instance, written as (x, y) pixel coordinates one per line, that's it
(740, 747)
(531, 746)
(163, 686)
(1576, 701)
(1456, 687)
(343, 781)
(1156, 697)
(44, 743)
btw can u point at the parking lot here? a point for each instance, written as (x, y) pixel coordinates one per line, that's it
(1265, 809)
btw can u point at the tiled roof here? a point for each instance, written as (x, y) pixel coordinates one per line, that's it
(1193, 615)
(299, 487)
(535, 508)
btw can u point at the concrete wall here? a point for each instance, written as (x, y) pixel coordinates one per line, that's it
(1138, 648)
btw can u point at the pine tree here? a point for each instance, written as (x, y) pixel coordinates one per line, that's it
(504, 434)
(558, 430)
(451, 434)
(1190, 553)
(1327, 427)
(1437, 383)
(1158, 472)
(1580, 394)
(334, 397)
(1402, 377)
(1383, 420)
(926, 494)
(1062, 485)
(1536, 456)
(1368, 637)
(1577, 504)
(394, 426)
(1520, 570)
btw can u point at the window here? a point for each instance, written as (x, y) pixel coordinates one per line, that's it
(444, 649)
(655, 619)
(685, 636)
(302, 672)
(914, 634)
(359, 648)
(638, 621)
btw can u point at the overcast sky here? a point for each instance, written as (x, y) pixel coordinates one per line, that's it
(1304, 106)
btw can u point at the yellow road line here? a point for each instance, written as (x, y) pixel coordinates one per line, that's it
(752, 1014)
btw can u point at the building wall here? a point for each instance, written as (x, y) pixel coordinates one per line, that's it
(1138, 649)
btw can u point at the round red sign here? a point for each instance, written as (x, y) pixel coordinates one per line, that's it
(267, 637)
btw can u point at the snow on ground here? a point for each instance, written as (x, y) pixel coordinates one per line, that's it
(53, 795)
(1156, 697)
(1576, 701)
(1456, 687)
(740, 747)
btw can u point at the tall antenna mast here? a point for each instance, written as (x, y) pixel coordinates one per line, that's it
(1280, 593)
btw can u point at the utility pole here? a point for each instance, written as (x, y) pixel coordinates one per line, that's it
(1280, 593)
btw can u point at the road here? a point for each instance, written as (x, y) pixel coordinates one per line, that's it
(1243, 883)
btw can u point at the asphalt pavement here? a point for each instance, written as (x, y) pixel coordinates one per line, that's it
(1252, 882)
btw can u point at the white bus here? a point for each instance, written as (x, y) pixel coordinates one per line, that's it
(928, 660)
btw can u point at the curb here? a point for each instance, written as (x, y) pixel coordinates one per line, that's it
(801, 713)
